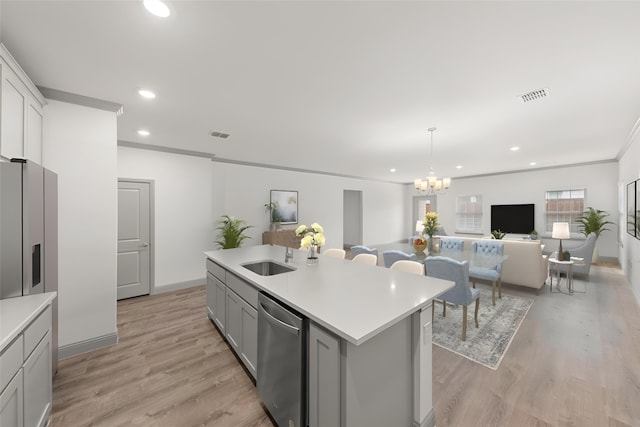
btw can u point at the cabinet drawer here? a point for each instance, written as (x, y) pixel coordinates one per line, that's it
(10, 361)
(246, 291)
(216, 270)
(36, 330)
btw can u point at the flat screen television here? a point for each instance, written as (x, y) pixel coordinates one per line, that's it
(517, 219)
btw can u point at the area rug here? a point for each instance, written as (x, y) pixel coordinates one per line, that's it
(488, 343)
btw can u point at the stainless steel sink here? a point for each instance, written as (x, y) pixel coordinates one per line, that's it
(268, 268)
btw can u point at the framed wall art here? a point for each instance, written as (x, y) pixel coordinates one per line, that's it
(285, 204)
(631, 208)
(636, 215)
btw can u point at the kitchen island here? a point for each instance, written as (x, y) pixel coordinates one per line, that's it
(369, 349)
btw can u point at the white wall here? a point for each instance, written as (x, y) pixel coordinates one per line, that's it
(241, 191)
(599, 180)
(80, 146)
(630, 251)
(184, 226)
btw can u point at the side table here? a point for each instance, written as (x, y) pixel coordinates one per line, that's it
(569, 263)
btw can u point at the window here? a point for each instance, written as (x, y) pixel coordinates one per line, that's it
(563, 206)
(469, 214)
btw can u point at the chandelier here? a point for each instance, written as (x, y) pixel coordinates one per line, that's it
(432, 184)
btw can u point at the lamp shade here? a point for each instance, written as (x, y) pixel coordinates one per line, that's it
(419, 226)
(560, 230)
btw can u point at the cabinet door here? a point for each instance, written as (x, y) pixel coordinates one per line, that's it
(37, 385)
(11, 403)
(12, 119)
(324, 378)
(249, 344)
(211, 296)
(33, 140)
(234, 321)
(220, 302)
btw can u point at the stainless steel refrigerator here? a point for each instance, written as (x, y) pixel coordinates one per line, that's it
(29, 234)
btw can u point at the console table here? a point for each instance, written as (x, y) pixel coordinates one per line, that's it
(286, 238)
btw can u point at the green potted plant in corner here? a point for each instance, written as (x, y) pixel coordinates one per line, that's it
(593, 221)
(231, 232)
(533, 235)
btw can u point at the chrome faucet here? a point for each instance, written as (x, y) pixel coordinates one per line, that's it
(288, 254)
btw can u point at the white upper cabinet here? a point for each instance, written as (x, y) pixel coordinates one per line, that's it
(21, 112)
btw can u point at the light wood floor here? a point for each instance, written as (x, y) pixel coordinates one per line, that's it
(574, 362)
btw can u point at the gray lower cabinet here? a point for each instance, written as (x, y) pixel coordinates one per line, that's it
(37, 384)
(211, 295)
(216, 301)
(25, 376)
(324, 377)
(231, 305)
(242, 330)
(11, 402)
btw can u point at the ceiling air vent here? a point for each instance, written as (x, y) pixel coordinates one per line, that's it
(219, 134)
(535, 95)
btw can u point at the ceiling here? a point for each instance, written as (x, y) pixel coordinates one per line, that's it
(350, 88)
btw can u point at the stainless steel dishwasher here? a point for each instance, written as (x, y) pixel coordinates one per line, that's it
(282, 356)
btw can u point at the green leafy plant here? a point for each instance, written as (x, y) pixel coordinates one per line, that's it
(593, 221)
(533, 234)
(273, 213)
(497, 234)
(231, 233)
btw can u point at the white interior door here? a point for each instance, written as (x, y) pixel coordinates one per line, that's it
(422, 205)
(134, 239)
(352, 218)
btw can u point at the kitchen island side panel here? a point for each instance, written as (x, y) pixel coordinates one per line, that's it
(377, 380)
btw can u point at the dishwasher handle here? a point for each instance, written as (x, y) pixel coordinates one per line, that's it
(277, 322)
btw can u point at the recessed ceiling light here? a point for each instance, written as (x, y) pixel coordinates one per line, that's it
(532, 163)
(514, 148)
(157, 8)
(145, 93)
(143, 132)
(459, 167)
(392, 170)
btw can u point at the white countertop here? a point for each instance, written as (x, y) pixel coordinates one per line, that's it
(354, 301)
(17, 313)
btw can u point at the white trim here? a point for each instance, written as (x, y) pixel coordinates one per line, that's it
(86, 346)
(179, 285)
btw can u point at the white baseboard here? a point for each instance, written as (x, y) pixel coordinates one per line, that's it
(86, 346)
(179, 285)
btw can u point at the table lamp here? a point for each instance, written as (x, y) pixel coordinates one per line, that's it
(560, 231)
(419, 227)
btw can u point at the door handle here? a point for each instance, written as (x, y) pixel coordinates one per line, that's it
(145, 244)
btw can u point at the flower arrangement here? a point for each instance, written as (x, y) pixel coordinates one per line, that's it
(431, 223)
(311, 236)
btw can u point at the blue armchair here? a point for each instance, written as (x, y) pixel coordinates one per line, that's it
(392, 256)
(493, 275)
(359, 249)
(451, 244)
(461, 293)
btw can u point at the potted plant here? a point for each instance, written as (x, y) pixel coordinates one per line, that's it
(273, 216)
(593, 221)
(533, 235)
(497, 234)
(231, 233)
